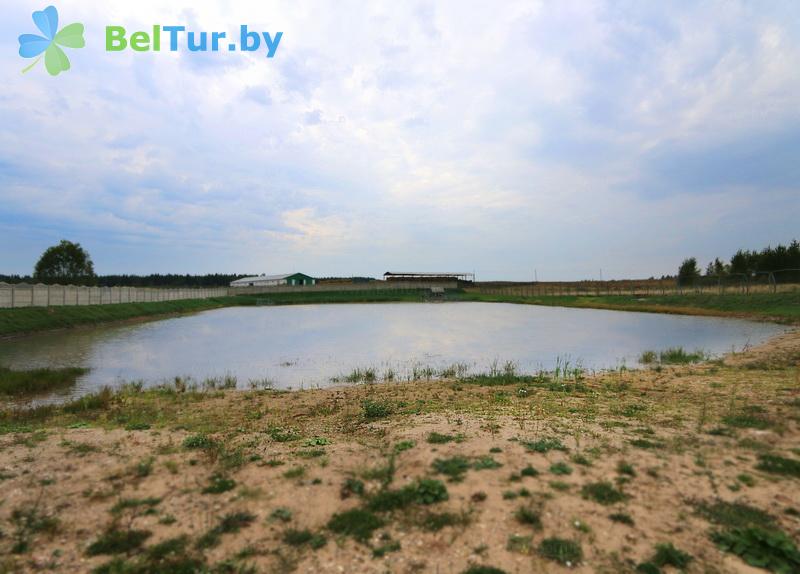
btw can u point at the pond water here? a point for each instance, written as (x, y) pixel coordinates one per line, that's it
(306, 346)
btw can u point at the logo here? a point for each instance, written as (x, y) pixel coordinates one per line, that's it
(49, 45)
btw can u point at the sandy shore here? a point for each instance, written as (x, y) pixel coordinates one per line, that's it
(263, 481)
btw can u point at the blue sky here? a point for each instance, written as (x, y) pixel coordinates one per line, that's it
(500, 138)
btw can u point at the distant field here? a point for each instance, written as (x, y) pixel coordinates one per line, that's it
(783, 307)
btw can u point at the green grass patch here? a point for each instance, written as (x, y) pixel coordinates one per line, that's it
(357, 523)
(734, 514)
(561, 550)
(231, 523)
(603, 492)
(35, 381)
(776, 464)
(769, 549)
(667, 555)
(118, 541)
(543, 445)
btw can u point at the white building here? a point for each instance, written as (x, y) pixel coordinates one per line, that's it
(274, 280)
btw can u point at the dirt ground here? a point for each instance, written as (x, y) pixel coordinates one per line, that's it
(668, 443)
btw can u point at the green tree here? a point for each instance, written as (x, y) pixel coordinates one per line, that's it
(65, 263)
(688, 271)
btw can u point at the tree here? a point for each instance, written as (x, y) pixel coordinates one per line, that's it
(65, 263)
(688, 271)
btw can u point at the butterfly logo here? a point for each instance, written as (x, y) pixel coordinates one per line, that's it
(49, 45)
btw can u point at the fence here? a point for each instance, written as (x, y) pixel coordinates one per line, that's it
(700, 286)
(39, 295)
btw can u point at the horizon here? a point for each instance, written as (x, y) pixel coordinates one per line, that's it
(514, 141)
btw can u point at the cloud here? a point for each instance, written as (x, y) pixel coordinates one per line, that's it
(562, 136)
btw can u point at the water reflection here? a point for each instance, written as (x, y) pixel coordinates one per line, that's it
(303, 346)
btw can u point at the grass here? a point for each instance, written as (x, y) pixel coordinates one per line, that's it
(231, 523)
(529, 517)
(424, 491)
(30, 319)
(17, 383)
(357, 523)
(219, 483)
(603, 492)
(673, 356)
(768, 549)
(776, 464)
(733, 514)
(118, 541)
(294, 537)
(543, 445)
(667, 555)
(784, 306)
(560, 469)
(561, 550)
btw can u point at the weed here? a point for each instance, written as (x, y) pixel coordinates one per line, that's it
(29, 520)
(282, 514)
(485, 463)
(529, 471)
(134, 504)
(626, 468)
(199, 442)
(439, 438)
(483, 570)
(302, 537)
(279, 434)
(560, 468)
(454, 467)
(519, 544)
(566, 552)
(423, 491)
(769, 549)
(528, 516)
(296, 472)
(404, 445)
(622, 518)
(117, 541)
(750, 417)
(376, 409)
(231, 523)
(646, 444)
(351, 486)
(433, 521)
(543, 445)
(144, 467)
(734, 514)
(775, 464)
(218, 484)
(667, 555)
(384, 549)
(603, 492)
(357, 523)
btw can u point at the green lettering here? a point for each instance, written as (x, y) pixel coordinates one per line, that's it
(157, 37)
(140, 41)
(115, 39)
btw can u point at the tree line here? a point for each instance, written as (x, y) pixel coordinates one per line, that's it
(783, 261)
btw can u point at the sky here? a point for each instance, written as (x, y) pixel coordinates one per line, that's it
(558, 139)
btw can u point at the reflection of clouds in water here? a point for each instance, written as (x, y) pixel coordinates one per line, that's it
(323, 341)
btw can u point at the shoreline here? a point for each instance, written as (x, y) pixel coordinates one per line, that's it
(615, 464)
